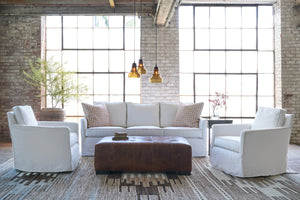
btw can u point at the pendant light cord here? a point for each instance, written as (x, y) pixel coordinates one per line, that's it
(141, 14)
(134, 30)
(156, 44)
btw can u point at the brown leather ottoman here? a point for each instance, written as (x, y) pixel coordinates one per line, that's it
(143, 154)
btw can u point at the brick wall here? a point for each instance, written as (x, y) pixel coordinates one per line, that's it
(20, 41)
(290, 65)
(167, 61)
(277, 34)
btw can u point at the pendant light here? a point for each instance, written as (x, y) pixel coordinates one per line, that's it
(141, 67)
(156, 77)
(134, 72)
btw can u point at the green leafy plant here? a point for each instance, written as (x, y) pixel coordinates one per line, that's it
(58, 83)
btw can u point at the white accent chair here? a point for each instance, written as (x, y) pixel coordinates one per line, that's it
(42, 146)
(251, 150)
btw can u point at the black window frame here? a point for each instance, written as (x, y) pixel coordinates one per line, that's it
(194, 74)
(90, 49)
(92, 73)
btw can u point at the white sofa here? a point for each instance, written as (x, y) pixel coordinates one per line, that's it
(144, 120)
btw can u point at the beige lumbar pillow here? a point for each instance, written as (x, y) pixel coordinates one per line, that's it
(96, 115)
(188, 115)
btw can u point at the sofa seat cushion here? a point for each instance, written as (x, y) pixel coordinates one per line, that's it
(231, 143)
(183, 132)
(103, 131)
(73, 139)
(144, 131)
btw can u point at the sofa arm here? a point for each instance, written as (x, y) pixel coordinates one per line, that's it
(203, 127)
(264, 141)
(37, 131)
(37, 135)
(83, 122)
(228, 129)
(73, 126)
(265, 147)
(35, 143)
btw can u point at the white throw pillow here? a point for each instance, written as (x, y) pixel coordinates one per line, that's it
(25, 115)
(142, 114)
(269, 118)
(188, 115)
(117, 112)
(96, 116)
(167, 113)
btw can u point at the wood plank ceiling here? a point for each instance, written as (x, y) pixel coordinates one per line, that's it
(161, 10)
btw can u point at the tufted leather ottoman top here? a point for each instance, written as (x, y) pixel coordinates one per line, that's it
(143, 154)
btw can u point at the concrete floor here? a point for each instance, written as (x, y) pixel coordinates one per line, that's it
(5, 152)
(294, 158)
(293, 155)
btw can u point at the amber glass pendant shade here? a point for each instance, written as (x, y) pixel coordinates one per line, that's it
(141, 68)
(156, 77)
(134, 73)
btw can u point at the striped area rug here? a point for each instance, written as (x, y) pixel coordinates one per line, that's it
(204, 183)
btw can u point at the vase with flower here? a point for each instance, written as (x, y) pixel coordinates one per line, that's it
(217, 103)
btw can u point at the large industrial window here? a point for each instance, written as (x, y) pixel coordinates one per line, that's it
(227, 49)
(100, 49)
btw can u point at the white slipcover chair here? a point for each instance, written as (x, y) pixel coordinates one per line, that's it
(42, 146)
(251, 150)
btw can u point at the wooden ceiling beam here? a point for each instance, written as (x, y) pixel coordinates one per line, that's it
(70, 2)
(123, 9)
(112, 3)
(75, 7)
(164, 11)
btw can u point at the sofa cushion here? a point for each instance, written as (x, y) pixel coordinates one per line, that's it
(228, 142)
(96, 115)
(103, 131)
(269, 118)
(188, 115)
(183, 132)
(117, 112)
(142, 114)
(144, 131)
(167, 113)
(25, 115)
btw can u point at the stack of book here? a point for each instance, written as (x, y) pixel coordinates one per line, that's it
(120, 136)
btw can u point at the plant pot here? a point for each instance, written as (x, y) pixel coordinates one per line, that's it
(52, 114)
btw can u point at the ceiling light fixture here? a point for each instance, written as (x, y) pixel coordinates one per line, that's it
(134, 72)
(156, 77)
(141, 67)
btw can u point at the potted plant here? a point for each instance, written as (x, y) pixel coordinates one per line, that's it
(56, 83)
